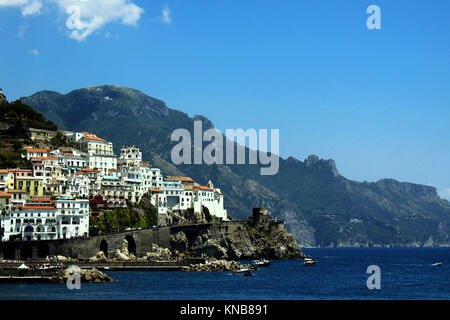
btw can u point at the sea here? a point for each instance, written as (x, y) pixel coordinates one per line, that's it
(340, 274)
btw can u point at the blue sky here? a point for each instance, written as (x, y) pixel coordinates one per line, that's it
(376, 101)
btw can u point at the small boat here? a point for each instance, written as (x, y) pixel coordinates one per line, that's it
(262, 263)
(435, 264)
(242, 272)
(309, 262)
(45, 267)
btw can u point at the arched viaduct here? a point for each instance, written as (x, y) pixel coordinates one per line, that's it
(139, 242)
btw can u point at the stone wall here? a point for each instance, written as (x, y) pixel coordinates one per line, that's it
(232, 240)
(139, 242)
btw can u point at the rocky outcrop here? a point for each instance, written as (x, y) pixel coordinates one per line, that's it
(179, 242)
(99, 257)
(218, 265)
(120, 255)
(86, 275)
(239, 241)
(158, 254)
(60, 259)
(314, 162)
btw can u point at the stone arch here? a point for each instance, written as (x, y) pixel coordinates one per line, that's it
(104, 247)
(131, 244)
(43, 250)
(26, 251)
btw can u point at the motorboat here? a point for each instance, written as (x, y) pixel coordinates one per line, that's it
(243, 272)
(262, 263)
(309, 262)
(435, 264)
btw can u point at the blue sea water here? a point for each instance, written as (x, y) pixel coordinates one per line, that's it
(340, 274)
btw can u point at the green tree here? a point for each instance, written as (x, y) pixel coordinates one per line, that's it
(207, 214)
(59, 140)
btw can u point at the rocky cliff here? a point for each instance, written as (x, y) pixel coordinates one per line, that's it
(237, 240)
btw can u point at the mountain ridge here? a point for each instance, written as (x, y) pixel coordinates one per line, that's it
(320, 206)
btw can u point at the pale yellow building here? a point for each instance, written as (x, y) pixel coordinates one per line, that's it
(33, 186)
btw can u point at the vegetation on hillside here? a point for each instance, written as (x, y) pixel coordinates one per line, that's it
(141, 215)
(15, 119)
(60, 140)
(21, 114)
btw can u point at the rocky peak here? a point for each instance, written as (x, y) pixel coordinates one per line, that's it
(292, 161)
(314, 161)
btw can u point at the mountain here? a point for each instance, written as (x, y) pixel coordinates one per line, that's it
(320, 206)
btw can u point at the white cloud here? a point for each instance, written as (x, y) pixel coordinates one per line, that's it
(89, 16)
(22, 29)
(34, 52)
(28, 7)
(166, 16)
(83, 17)
(32, 8)
(445, 193)
(110, 35)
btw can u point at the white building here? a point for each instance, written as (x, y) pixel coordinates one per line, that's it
(173, 196)
(43, 219)
(211, 198)
(71, 161)
(33, 153)
(130, 156)
(99, 152)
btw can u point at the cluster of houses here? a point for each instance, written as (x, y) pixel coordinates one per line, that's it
(51, 199)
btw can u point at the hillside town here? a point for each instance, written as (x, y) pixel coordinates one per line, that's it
(63, 187)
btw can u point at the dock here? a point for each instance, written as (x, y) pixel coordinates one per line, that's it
(26, 279)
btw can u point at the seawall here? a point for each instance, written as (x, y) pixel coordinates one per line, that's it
(236, 239)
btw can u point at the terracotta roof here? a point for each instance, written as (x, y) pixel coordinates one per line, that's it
(37, 164)
(4, 170)
(204, 188)
(37, 150)
(5, 195)
(114, 170)
(89, 170)
(94, 138)
(42, 199)
(44, 158)
(37, 208)
(155, 189)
